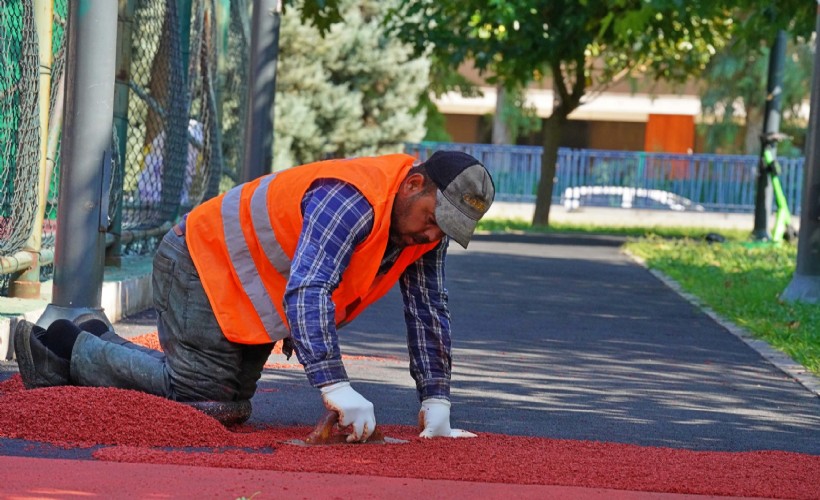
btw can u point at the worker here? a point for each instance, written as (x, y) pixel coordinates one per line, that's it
(292, 256)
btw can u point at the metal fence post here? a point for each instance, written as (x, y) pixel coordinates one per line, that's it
(82, 217)
(26, 284)
(264, 56)
(113, 254)
(771, 125)
(805, 284)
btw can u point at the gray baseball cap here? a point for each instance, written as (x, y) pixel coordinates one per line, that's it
(465, 192)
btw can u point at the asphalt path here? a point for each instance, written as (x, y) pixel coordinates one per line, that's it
(564, 336)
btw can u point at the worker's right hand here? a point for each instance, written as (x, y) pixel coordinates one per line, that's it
(353, 409)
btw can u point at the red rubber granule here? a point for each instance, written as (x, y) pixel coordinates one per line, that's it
(137, 427)
(518, 460)
(87, 416)
(12, 384)
(282, 366)
(149, 340)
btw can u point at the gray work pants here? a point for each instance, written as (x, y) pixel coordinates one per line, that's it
(197, 363)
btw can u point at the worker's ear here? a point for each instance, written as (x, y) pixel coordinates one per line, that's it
(413, 184)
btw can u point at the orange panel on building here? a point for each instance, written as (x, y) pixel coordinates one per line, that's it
(670, 134)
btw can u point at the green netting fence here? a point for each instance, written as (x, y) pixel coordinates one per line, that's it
(19, 124)
(181, 90)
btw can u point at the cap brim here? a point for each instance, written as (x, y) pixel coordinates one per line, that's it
(453, 221)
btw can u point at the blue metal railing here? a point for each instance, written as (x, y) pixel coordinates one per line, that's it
(515, 169)
(719, 183)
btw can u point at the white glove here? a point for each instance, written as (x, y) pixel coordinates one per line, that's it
(353, 409)
(434, 420)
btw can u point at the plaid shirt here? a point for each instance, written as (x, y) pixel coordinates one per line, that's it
(337, 218)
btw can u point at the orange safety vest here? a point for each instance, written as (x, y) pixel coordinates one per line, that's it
(243, 241)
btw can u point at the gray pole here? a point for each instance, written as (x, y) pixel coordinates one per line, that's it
(805, 284)
(113, 254)
(771, 126)
(258, 159)
(82, 211)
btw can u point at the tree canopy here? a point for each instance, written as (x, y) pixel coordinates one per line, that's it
(759, 22)
(580, 46)
(734, 96)
(350, 92)
(734, 91)
(321, 14)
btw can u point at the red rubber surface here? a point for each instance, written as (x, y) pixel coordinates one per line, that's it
(138, 428)
(28, 478)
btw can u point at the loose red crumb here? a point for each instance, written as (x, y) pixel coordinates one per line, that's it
(519, 460)
(87, 416)
(12, 384)
(282, 366)
(137, 427)
(149, 340)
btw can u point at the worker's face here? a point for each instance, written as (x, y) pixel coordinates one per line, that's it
(413, 221)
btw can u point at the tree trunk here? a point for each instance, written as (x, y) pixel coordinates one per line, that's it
(501, 133)
(566, 99)
(553, 128)
(754, 127)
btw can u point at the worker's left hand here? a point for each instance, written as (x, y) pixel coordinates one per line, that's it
(434, 420)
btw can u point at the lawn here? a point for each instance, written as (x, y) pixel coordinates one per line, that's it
(738, 280)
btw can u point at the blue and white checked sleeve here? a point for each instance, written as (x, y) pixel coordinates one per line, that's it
(428, 323)
(337, 217)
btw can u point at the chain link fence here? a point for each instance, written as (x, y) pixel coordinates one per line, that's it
(19, 124)
(182, 87)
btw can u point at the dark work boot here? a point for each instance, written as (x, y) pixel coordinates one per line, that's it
(39, 366)
(94, 326)
(227, 412)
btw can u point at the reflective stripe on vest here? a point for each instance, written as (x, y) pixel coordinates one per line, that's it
(241, 259)
(264, 231)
